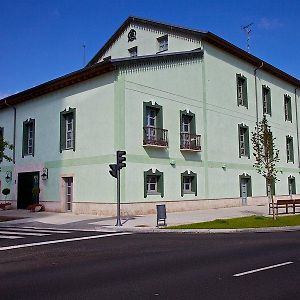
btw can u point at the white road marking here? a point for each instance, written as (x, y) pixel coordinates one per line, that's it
(23, 233)
(34, 230)
(63, 241)
(11, 237)
(263, 269)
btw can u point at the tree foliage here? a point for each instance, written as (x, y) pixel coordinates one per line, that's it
(3, 146)
(266, 154)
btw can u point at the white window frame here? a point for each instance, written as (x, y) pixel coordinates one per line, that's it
(69, 119)
(163, 43)
(29, 138)
(240, 95)
(69, 192)
(243, 141)
(152, 181)
(133, 52)
(288, 149)
(187, 182)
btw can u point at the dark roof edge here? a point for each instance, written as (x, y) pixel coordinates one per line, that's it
(158, 57)
(207, 36)
(90, 72)
(58, 83)
(236, 51)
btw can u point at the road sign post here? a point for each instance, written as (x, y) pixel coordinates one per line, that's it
(115, 172)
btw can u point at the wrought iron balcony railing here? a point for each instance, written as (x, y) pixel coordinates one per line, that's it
(190, 142)
(155, 137)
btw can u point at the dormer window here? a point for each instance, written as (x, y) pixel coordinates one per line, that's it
(163, 43)
(132, 52)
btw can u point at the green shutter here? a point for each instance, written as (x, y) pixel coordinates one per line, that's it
(239, 133)
(145, 184)
(290, 109)
(245, 93)
(194, 183)
(249, 187)
(33, 135)
(269, 108)
(237, 88)
(160, 184)
(73, 111)
(193, 124)
(145, 104)
(181, 178)
(25, 139)
(292, 149)
(62, 131)
(1, 143)
(247, 141)
(293, 186)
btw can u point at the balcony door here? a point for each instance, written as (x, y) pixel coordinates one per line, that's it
(151, 120)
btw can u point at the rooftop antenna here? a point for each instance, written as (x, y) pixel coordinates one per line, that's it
(83, 46)
(247, 30)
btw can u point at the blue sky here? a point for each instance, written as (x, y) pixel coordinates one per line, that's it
(42, 39)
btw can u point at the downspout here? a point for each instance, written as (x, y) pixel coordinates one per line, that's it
(14, 137)
(297, 126)
(256, 96)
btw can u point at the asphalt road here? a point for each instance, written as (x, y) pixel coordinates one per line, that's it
(153, 266)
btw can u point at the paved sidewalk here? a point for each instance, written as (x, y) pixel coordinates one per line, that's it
(145, 222)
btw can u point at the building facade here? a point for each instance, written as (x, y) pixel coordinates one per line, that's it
(181, 102)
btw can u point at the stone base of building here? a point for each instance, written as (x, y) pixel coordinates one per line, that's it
(144, 208)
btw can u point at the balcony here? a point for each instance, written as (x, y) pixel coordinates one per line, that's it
(190, 142)
(155, 137)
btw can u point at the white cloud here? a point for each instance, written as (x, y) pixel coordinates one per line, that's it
(269, 24)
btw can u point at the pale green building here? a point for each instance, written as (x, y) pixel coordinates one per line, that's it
(181, 102)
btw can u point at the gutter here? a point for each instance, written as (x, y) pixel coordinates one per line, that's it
(256, 96)
(14, 137)
(297, 126)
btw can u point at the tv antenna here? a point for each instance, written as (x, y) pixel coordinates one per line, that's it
(83, 46)
(247, 30)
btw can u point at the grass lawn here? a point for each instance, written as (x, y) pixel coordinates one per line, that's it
(244, 222)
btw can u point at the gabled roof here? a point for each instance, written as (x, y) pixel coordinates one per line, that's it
(93, 71)
(205, 36)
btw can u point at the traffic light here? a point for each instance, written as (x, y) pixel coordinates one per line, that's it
(114, 170)
(121, 159)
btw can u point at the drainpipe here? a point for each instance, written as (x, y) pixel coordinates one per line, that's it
(297, 126)
(255, 80)
(14, 138)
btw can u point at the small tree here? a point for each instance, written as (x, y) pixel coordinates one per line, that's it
(266, 155)
(5, 145)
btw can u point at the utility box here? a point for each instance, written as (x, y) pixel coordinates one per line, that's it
(161, 214)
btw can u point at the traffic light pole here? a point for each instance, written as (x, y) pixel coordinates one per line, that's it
(118, 200)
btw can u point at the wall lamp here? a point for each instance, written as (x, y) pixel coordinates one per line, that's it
(8, 176)
(44, 174)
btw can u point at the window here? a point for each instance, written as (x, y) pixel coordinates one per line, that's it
(189, 140)
(68, 192)
(188, 183)
(287, 108)
(266, 97)
(244, 149)
(245, 185)
(163, 43)
(67, 129)
(289, 149)
(28, 137)
(132, 52)
(153, 183)
(292, 185)
(154, 134)
(241, 85)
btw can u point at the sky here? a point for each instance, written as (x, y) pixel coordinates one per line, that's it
(43, 39)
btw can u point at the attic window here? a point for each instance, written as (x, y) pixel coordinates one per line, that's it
(162, 43)
(132, 52)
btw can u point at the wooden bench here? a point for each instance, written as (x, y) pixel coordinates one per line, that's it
(285, 203)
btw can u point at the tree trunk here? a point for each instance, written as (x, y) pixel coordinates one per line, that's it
(271, 199)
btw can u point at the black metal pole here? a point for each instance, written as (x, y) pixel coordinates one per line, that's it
(118, 199)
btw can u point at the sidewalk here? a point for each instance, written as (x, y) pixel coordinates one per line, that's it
(134, 223)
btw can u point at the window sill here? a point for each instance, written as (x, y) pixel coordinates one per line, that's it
(153, 193)
(190, 150)
(158, 52)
